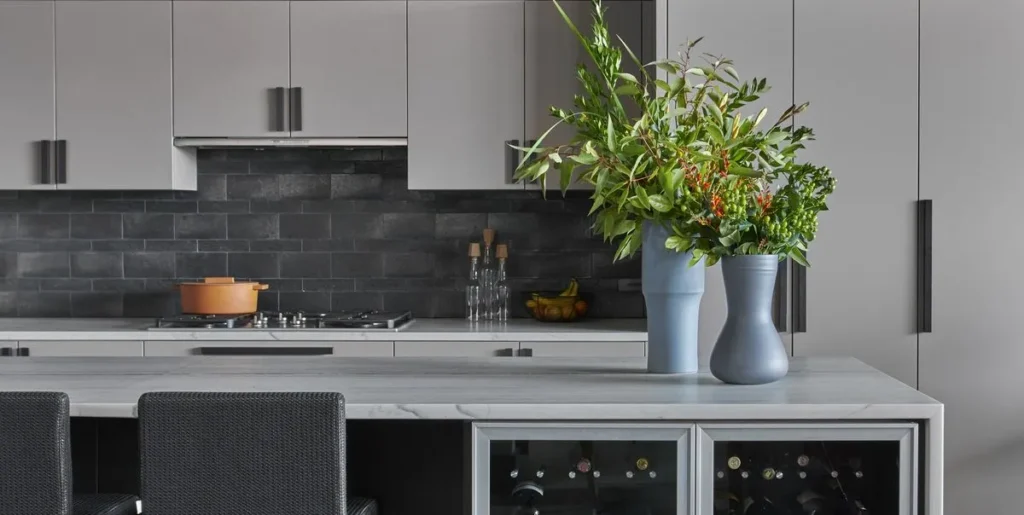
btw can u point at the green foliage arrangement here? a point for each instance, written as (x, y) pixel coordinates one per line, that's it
(689, 160)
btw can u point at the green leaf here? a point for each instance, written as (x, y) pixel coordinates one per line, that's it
(715, 111)
(610, 136)
(629, 77)
(742, 171)
(760, 116)
(731, 71)
(622, 227)
(627, 89)
(659, 203)
(584, 159)
(698, 254)
(662, 85)
(799, 257)
(716, 134)
(774, 138)
(554, 157)
(641, 196)
(697, 71)
(676, 243)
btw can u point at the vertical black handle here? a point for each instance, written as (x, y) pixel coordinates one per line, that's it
(799, 298)
(60, 157)
(779, 312)
(23, 352)
(6, 351)
(511, 160)
(295, 109)
(924, 266)
(279, 116)
(46, 162)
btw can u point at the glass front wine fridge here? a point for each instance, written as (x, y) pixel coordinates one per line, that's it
(793, 469)
(581, 469)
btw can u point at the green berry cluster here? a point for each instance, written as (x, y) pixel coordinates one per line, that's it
(734, 200)
(778, 230)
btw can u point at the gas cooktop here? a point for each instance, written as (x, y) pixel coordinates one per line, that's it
(352, 320)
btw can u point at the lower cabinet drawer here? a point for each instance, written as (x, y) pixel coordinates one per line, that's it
(274, 348)
(426, 349)
(582, 349)
(79, 348)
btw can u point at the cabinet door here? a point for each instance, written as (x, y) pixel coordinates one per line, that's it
(114, 93)
(465, 93)
(26, 92)
(860, 297)
(552, 53)
(582, 349)
(797, 468)
(228, 57)
(760, 43)
(282, 348)
(84, 348)
(348, 58)
(455, 349)
(971, 359)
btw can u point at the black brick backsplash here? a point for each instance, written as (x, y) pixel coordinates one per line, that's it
(326, 229)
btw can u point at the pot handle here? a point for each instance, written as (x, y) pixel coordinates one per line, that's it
(261, 287)
(218, 280)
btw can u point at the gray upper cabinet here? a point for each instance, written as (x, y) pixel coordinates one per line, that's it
(114, 97)
(465, 93)
(348, 58)
(859, 305)
(26, 92)
(760, 42)
(228, 57)
(552, 52)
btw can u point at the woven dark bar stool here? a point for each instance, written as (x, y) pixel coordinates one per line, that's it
(35, 460)
(208, 453)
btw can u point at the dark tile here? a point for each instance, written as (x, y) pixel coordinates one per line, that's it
(396, 153)
(275, 206)
(8, 304)
(19, 205)
(409, 245)
(8, 226)
(305, 187)
(253, 187)
(328, 285)
(147, 195)
(305, 301)
(298, 264)
(149, 264)
(63, 204)
(65, 284)
(94, 304)
(416, 284)
(43, 226)
(253, 227)
(256, 265)
(43, 245)
(212, 187)
(283, 284)
(171, 206)
(148, 226)
(201, 227)
(164, 284)
(421, 304)
(171, 245)
(617, 305)
(151, 304)
(356, 154)
(349, 186)
(448, 304)
(201, 264)
(48, 304)
(356, 225)
(26, 284)
(451, 264)
(118, 206)
(461, 225)
(357, 300)
(212, 166)
(327, 245)
(268, 301)
(96, 264)
(118, 285)
(122, 245)
(223, 246)
(357, 264)
(309, 226)
(416, 264)
(407, 225)
(44, 264)
(602, 266)
(223, 206)
(556, 264)
(96, 226)
(275, 245)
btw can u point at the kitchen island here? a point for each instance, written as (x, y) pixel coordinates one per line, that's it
(822, 399)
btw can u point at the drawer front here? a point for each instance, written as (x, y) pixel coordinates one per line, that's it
(79, 348)
(424, 349)
(582, 349)
(274, 348)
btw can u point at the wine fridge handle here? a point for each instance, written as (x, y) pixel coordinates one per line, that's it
(924, 266)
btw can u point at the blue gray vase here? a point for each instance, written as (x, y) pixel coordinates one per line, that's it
(749, 349)
(672, 292)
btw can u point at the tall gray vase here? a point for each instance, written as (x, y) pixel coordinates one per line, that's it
(672, 292)
(749, 349)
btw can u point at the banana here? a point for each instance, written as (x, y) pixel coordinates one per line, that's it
(572, 290)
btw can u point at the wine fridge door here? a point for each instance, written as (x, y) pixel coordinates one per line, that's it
(581, 469)
(798, 469)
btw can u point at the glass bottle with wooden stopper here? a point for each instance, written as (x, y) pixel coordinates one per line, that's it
(502, 292)
(473, 300)
(488, 271)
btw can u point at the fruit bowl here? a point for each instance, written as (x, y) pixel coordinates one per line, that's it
(554, 307)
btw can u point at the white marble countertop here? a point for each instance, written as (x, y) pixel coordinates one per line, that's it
(485, 389)
(428, 329)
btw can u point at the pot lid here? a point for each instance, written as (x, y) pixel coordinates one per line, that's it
(218, 281)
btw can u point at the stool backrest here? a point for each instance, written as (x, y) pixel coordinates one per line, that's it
(35, 453)
(207, 453)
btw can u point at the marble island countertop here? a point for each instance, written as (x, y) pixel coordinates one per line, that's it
(140, 329)
(485, 389)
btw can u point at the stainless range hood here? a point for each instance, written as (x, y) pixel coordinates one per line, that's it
(288, 142)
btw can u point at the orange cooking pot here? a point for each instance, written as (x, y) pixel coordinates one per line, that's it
(219, 296)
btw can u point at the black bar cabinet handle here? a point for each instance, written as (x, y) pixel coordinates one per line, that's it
(295, 109)
(799, 298)
(266, 351)
(280, 116)
(779, 311)
(924, 266)
(23, 352)
(60, 157)
(46, 162)
(511, 160)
